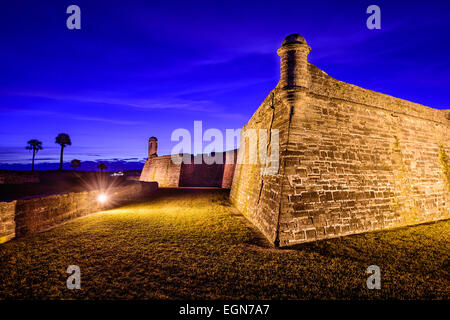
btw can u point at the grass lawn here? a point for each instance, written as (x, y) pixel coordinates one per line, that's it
(191, 244)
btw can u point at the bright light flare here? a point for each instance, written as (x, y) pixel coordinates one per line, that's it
(102, 198)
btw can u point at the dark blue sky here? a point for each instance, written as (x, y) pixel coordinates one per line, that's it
(143, 68)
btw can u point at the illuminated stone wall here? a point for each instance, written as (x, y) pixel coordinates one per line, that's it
(161, 170)
(25, 217)
(351, 160)
(170, 175)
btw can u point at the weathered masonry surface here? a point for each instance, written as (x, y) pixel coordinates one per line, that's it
(351, 160)
(161, 170)
(12, 177)
(25, 217)
(189, 173)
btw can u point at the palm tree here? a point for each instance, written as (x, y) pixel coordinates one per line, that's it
(34, 145)
(75, 163)
(63, 140)
(102, 167)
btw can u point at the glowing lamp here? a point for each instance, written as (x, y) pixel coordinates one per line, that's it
(102, 198)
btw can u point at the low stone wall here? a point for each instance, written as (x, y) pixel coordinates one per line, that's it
(28, 216)
(7, 222)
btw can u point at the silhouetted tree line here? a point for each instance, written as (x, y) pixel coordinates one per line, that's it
(63, 140)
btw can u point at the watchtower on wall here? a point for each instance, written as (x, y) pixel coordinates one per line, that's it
(351, 160)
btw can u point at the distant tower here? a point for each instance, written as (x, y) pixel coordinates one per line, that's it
(294, 65)
(152, 147)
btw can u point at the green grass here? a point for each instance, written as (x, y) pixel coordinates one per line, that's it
(187, 244)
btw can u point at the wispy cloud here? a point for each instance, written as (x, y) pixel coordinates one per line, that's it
(209, 107)
(102, 98)
(73, 116)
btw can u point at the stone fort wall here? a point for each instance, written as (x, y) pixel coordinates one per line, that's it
(351, 160)
(161, 170)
